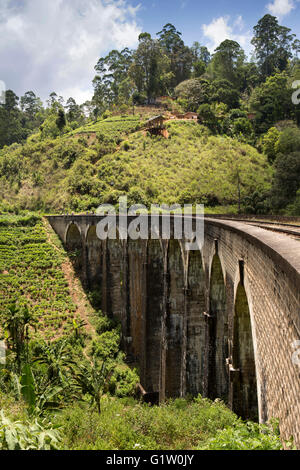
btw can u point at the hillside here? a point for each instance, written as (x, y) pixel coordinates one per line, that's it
(99, 162)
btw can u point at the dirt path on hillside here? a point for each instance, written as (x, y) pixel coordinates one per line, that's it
(76, 290)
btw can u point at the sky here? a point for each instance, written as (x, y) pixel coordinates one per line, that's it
(53, 45)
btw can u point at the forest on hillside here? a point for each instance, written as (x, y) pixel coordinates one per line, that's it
(247, 100)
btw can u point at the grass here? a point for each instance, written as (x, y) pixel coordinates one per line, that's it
(77, 173)
(189, 167)
(126, 424)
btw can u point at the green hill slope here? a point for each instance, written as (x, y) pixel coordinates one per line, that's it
(101, 161)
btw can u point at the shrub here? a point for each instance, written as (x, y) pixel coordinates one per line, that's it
(107, 345)
(246, 436)
(27, 436)
(126, 145)
(123, 382)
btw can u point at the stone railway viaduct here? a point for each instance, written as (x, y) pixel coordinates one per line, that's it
(221, 321)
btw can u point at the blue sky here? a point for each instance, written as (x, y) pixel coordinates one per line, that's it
(189, 16)
(53, 45)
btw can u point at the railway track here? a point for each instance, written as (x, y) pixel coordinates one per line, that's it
(279, 227)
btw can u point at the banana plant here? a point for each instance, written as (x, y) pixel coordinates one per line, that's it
(92, 379)
(57, 359)
(17, 321)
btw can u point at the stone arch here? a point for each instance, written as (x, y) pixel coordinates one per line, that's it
(244, 384)
(73, 242)
(218, 333)
(115, 281)
(136, 252)
(154, 314)
(73, 235)
(175, 320)
(94, 249)
(196, 326)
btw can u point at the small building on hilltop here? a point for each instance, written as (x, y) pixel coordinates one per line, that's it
(191, 115)
(178, 115)
(251, 116)
(155, 123)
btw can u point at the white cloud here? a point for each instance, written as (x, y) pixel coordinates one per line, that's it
(281, 8)
(54, 45)
(220, 29)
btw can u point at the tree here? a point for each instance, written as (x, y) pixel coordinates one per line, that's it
(287, 168)
(271, 102)
(55, 102)
(61, 120)
(199, 69)
(74, 112)
(288, 141)
(227, 62)
(207, 117)
(30, 104)
(181, 57)
(269, 142)
(249, 77)
(17, 321)
(243, 129)
(11, 101)
(200, 53)
(11, 126)
(273, 45)
(222, 91)
(112, 71)
(149, 65)
(201, 58)
(286, 180)
(32, 109)
(192, 93)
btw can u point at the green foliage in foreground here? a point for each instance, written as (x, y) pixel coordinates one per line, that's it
(126, 424)
(178, 425)
(246, 436)
(18, 435)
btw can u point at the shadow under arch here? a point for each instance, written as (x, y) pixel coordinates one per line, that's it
(174, 321)
(94, 254)
(136, 250)
(218, 381)
(115, 281)
(74, 246)
(154, 315)
(244, 384)
(196, 325)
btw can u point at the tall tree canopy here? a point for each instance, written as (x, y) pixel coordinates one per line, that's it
(227, 62)
(274, 45)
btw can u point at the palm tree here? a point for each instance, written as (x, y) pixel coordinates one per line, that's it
(17, 320)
